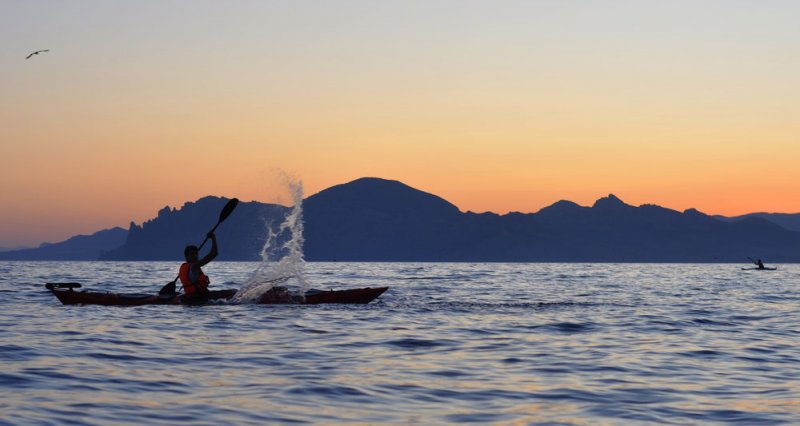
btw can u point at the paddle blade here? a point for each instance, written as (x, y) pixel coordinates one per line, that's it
(228, 209)
(168, 289)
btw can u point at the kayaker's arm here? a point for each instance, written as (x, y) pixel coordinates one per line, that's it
(212, 254)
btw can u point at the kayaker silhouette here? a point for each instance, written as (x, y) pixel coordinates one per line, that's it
(195, 282)
(168, 290)
(760, 264)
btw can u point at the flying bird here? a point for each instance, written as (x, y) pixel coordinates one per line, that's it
(36, 53)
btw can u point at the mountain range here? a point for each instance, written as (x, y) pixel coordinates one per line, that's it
(790, 221)
(79, 247)
(372, 219)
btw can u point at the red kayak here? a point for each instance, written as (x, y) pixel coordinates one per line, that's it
(65, 292)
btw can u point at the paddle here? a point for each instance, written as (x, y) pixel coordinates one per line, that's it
(169, 288)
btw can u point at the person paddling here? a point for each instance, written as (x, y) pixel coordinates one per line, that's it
(760, 264)
(195, 282)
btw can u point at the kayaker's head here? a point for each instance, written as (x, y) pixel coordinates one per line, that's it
(191, 253)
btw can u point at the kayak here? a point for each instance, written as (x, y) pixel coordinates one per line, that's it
(65, 292)
(759, 269)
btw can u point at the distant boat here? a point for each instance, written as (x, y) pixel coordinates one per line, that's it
(759, 266)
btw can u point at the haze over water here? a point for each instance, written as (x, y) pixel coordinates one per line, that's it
(448, 343)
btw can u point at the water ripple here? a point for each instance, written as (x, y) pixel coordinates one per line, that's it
(450, 343)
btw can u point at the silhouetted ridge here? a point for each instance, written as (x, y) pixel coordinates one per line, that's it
(383, 195)
(377, 219)
(790, 221)
(165, 236)
(79, 247)
(609, 202)
(561, 207)
(374, 219)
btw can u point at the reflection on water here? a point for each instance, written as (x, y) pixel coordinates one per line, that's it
(448, 343)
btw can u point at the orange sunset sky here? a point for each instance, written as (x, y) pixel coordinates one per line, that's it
(493, 105)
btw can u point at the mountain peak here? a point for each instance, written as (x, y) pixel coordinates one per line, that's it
(610, 201)
(373, 182)
(382, 194)
(694, 212)
(561, 206)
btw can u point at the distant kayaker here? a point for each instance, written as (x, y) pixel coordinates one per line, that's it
(760, 264)
(195, 282)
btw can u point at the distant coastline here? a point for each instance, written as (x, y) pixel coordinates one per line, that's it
(4, 249)
(378, 220)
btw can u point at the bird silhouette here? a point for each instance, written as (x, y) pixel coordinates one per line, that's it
(36, 53)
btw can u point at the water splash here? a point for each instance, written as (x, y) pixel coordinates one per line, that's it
(282, 259)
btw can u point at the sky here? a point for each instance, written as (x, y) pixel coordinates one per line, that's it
(493, 105)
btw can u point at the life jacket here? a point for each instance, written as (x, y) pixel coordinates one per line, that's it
(189, 286)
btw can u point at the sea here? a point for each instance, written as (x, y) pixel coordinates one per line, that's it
(448, 343)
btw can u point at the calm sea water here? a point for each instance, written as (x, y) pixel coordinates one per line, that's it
(448, 343)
